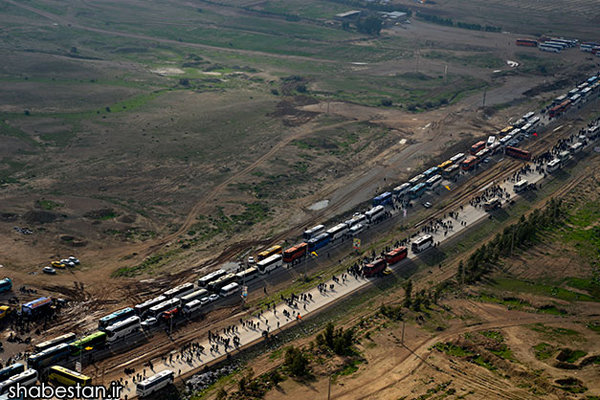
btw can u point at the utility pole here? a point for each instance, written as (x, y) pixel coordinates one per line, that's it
(403, 324)
(484, 93)
(446, 73)
(329, 388)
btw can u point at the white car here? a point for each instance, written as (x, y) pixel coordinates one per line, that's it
(74, 260)
(149, 322)
(49, 270)
(427, 204)
(204, 300)
(213, 297)
(251, 260)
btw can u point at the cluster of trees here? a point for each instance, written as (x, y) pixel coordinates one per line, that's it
(370, 25)
(464, 25)
(422, 298)
(339, 341)
(524, 232)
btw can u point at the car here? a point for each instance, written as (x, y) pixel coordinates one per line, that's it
(149, 322)
(213, 297)
(74, 260)
(387, 271)
(250, 260)
(427, 204)
(58, 264)
(486, 160)
(49, 270)
(204, 300)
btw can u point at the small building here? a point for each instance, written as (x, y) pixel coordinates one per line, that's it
(348, 16)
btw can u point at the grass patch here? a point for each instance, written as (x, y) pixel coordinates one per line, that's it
(452, 349)
(495, 335)
(594, 325)
(570, 356)
(47, 204)
(550, 309)
(553, 331)
(479, 360)
(520, 286)
(543, 351)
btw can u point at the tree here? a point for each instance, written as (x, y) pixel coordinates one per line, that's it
(221, 394)
(296, 361)
(460, 272)
(408, 293)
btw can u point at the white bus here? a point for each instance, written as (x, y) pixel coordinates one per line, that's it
(422, 243)
(356, 229)
(576, 147)
(402, 190)
(229, 290)
(26, 378)
(527, 128)
(247, 275)
(192, 306)
(520, 186)
(358, 219)
(179, 291)
(434, 181)
(213, 276)
(375, 213)
(270, 263)
(553, 165)
(535, 121)
(198, 294)
(338, 231)
(141, 309)
(491, 140)
(313, 232)
(457, 158)
(528, 116)
(122, 329)
(157, 310)
(155, 383)
(416, 179)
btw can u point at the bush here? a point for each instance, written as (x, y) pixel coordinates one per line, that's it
(386, 102)
(336, 340)
(296, 362)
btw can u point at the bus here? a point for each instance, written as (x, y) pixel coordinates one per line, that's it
(319, 241)
(96, 340)
(396, 255)
(528, 116)
(273, 262)
(492, 204)
(66, 338)
(415, 180)
(401, 190)
(374, 268)
(457, 158)
(192, 307)
(246, 275)
(477, 147)
(313, 232)
(339, 231)
(445, 164)
(553, 165)
(505, 131)
(520, 186)
(422, 243)
(116, 316)
(517, 153)
(481, 154)
(431, 172)
(469, 163)
(526, 42)
(123, 328)
(382, 199)
(49, 356)
(451, 171)
(5, 285)
(154, 383)
(142, 308)
(295, 252)
(215, 286)
(158, 309)
(36, 306)
(550, 48)
(61, 376)
(434, 181)
(178, 291)
(230, 289)
(375, 214)
(491, 140)
(576, 147)
(26, 378)
(269, 252)
(198, 294)
(11, 370)
(202, 282)
(417, 190)
(559, 109)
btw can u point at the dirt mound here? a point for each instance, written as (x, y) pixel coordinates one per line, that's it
(8, 217)
(127, 219)
(103, 213)
(40, 217)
